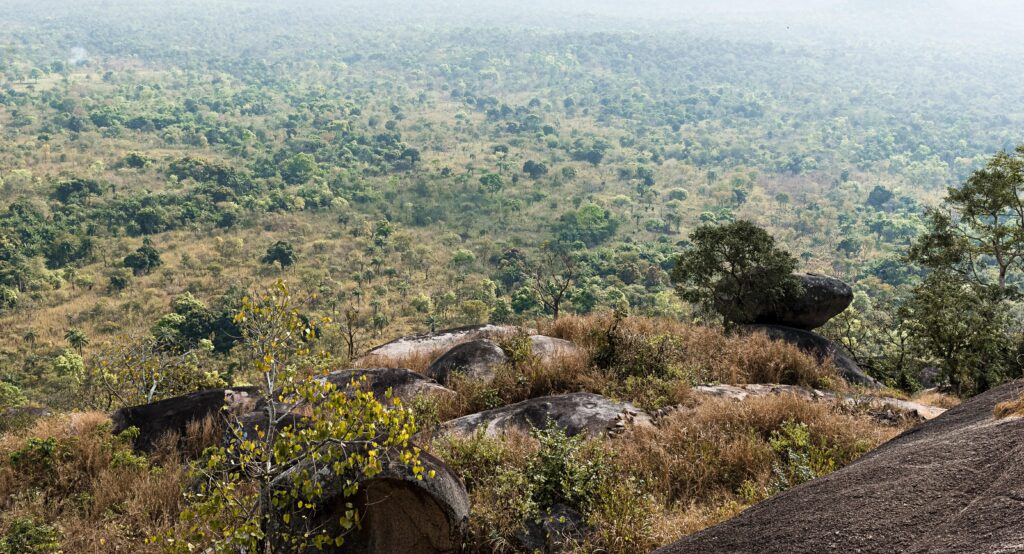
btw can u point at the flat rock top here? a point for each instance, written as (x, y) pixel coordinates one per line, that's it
(575, 413)
(440, 340)
(953, 485)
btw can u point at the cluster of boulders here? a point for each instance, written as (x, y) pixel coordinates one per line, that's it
(794, 322)
(403, 513)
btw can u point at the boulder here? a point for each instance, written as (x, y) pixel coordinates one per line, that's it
(575, 413)
(404, 383)
(953, 485)
(476, 359)
(172, 415)
(822, 348)
(550, 348)
(400, 512)
(823, 298)
(429, 343)
(880, 407)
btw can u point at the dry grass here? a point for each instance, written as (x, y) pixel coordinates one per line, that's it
(417, 361)
(703, 354)
(935, 398)
(1010, 408)
(100, 496)
(695, 469)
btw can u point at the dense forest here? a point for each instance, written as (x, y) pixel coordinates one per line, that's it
(406, 169)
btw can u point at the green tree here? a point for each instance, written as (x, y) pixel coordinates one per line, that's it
(281, 252)
(299, 168)
(552, 276)
(980, 234)
(492, 183)
(964, 328)
(734, 269)
(262, 491)
(144, 260)
(76, 338)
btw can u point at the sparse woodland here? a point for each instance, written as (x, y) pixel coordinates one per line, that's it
(627, 187)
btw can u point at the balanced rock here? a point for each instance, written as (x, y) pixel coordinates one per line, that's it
(400, 511)
(476, 359)
(575, 413)
(822, 299)
(819, 346)
(173, 415)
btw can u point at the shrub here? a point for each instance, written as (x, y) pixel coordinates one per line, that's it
(26, 536)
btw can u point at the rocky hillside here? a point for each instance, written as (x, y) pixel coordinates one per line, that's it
(954, 485)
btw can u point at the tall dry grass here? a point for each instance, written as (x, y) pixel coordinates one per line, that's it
(100, 496)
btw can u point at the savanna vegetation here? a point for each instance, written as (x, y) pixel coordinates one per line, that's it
(222, 193)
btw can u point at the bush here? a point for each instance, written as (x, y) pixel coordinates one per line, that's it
(26, 536)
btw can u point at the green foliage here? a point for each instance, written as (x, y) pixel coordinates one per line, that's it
(262, 490)
(734, 269)
(11, 396)
(799, 458)
(26, 536)
(567, 469)
(144, 260)
(281, 252)
(964, 328)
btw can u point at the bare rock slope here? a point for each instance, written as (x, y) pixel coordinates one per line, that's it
(954, 485)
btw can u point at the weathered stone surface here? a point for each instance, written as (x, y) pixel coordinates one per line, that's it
(172, 415)
(953, 485)
(400, 512)
(580, 412)
(880, 406)
(550, 348)
(404, 383)
(821, 348)
(429, 343)
(823, 298)
(476, 359)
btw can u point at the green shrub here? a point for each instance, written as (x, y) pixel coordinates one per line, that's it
(25, 536)
(799, 458)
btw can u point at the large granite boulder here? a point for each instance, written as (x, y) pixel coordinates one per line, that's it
(404, 383)
(575, 413)
(476, 359)
(822, 348)
(822, 299)
(549, 348)
(429, 343)
(400, 511)
(173, 415)
(953, 485)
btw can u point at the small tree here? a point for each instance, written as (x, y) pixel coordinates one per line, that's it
(281, 252)
(552, 276)
(734, 269)
(963, 328)
(144, 260)
(76, 338)
(261, 493)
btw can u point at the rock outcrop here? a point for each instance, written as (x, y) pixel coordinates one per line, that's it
(404, 383)
(822, 348)
(400, 512)
(879, 406)
(954, 485)
(172, 415)
(476, 359)
(549, 348)
(822, 299)
(429, 343)
(575, 413)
